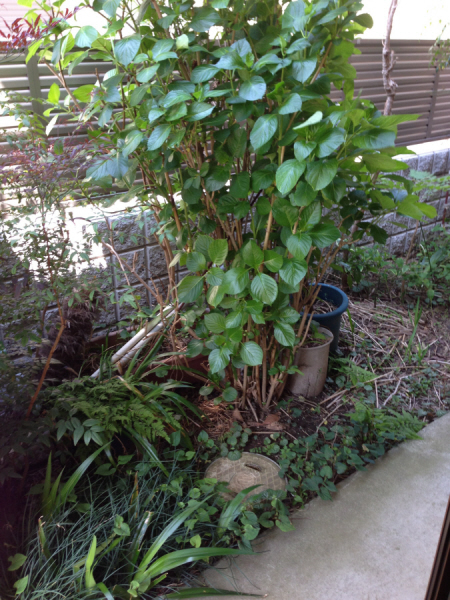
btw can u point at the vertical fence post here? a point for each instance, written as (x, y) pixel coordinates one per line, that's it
(433, 104)
(35, 84)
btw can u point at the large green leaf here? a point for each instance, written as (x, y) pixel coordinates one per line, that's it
(284, 334)
(294, 16)
(174, 97)
(235, 280)
(303, 69)
(304, 195)
(272, 261)
(217, 178)
(85, 36)
(132, 141)
(263, 130)
(320, 173)
(195, 262)
(218, 251)
(288, 174)
(303, 149)
(127, 48)
(218, 359)
(199, 110)
(264, 288)
(253, 89)
(291, 104)
(381, 162)
(158, 137)
(329, 142)
(299, 245)
(240, 185)
(324, 234)
(374, 139)
(252, 254)
(313, 120)
(190, 288)
(293, 271)
(203, 73)
(146, 74)
(205, 18)
(251, 354)
(215, 322)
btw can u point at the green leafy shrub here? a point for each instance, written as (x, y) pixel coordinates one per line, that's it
(255, 177)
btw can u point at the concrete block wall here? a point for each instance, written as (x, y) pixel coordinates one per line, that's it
(436, 162)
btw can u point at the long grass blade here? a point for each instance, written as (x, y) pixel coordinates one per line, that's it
(181, 557)
(88, 574)
(69, 486)
(147, 449)
(231, 510)
(176, 522)
(102, 587)
(204, 591)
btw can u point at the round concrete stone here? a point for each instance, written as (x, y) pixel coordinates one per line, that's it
(250, 469)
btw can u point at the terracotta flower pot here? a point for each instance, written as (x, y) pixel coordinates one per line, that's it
(313, 363)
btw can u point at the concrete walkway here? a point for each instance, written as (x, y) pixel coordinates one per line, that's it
(375, 541)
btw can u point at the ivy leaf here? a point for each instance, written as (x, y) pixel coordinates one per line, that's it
(273, 261)
(253, 89)
(263, 130)
(21, 585)
(127, 48)
(219, 359)
(324, 234)
(299, 245)
(85, 36)
(251, 354)
(284, 334)
(320, 173)
(293, 271)
(303, 69)
(292, 104)
(190, 288)
(195, 262)
(288, 174)
(158, 137)
(252, 254)
(16, 561)
(203, 73)
(215, 322)
(264, 288)
(218, 251)
(235, 280)
(229, 394)
(374, 139)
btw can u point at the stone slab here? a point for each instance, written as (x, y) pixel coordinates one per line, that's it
(375, 541)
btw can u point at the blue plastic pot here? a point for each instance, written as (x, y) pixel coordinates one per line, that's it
(332, 320)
